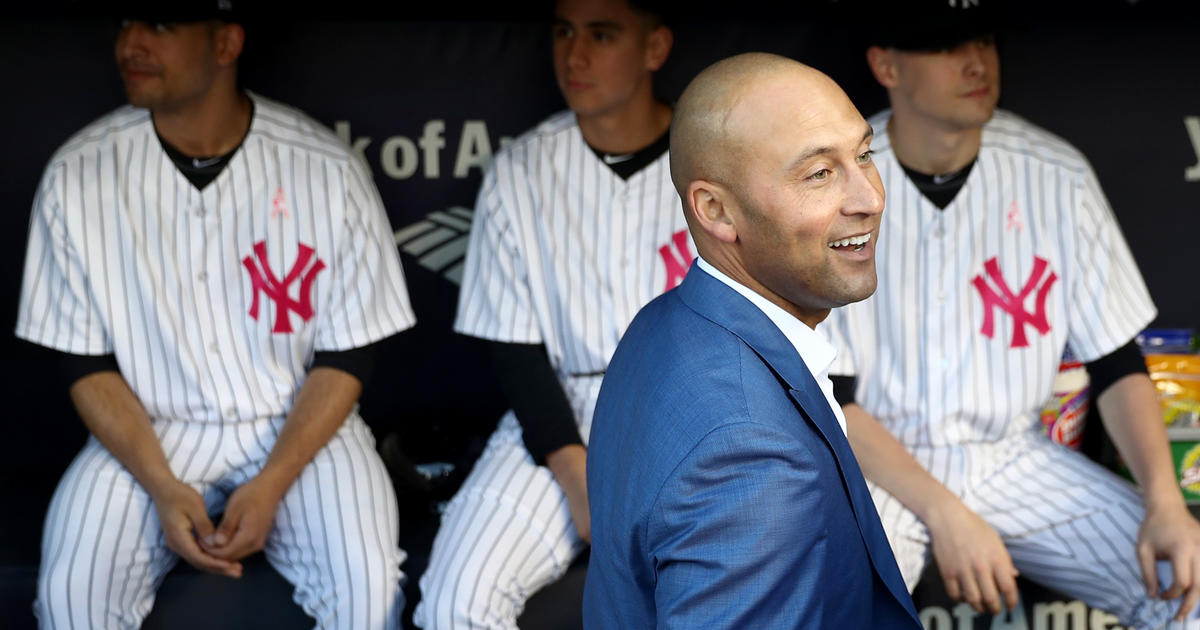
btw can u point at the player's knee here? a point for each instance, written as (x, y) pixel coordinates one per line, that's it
(339, 598)
(57, 589)
(65, 598)
(347, 608)
(44, 607)
(448, 605)
(439, 607)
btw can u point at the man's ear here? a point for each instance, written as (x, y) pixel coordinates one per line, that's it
(658, 46)
(711, 206)
(883, 65)
(229, 41)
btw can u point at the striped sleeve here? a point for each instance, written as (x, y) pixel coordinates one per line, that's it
(1109, 300)
(835, 330)
(495, 301)
(56, 308)
(369, 300)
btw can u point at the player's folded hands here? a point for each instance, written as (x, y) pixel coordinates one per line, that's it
(184, 519)
(249, 515)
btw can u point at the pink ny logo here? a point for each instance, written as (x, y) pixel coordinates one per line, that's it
(1014, 304)
(678, 261)
(279, 205)
(266, 282)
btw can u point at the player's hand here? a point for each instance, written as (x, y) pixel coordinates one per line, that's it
(569, 465)
(249, 515)
(1170, 533)
(184, 520)
(973, 561)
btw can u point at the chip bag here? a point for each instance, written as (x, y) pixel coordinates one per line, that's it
(1176, 377)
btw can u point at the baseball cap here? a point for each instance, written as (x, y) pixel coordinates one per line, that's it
(181, 10)
(929, 25)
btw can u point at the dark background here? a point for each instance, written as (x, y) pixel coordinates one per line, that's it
(1116, 78)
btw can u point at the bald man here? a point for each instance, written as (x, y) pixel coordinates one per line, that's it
(723, 491)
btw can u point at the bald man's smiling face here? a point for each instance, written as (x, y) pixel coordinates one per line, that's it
(809, 200)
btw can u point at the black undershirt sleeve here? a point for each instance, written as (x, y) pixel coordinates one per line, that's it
(1110, 368)
(537, 398)
(843, 389)
(358, 362)
(72, 367)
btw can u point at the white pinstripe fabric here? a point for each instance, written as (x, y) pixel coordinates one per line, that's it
(562, 252)
(126, 257)
(506, 534)
(1067, 523)
(966, 404)
(923, 365)
(335, 532)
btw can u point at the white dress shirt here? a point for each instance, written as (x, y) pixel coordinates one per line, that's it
(814, 350)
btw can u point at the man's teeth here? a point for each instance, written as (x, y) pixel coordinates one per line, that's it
(858, 241)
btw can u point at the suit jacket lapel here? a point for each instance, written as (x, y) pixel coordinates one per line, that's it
(717, 302)
(816, 408)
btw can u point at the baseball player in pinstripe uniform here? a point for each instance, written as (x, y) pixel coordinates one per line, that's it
(576, 228)
(213, 267)
(997, 249)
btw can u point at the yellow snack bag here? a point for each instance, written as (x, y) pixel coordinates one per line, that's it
(1177, 379)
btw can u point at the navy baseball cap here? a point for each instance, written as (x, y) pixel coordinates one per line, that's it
(929, 25)
(169, 11)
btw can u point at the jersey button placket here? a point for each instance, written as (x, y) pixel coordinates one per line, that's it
(945, 249)
(621, 209)
(939, 268)
(932, 271)
(206, 263)
(949, 247)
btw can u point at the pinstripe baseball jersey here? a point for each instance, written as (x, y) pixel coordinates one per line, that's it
(962, 339)
(564, 252)
(212, 300)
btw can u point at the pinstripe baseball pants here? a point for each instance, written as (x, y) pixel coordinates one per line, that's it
(506, 534)
(1067, 522)
(334, 536)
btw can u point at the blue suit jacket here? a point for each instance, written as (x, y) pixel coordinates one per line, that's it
(723, 492)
